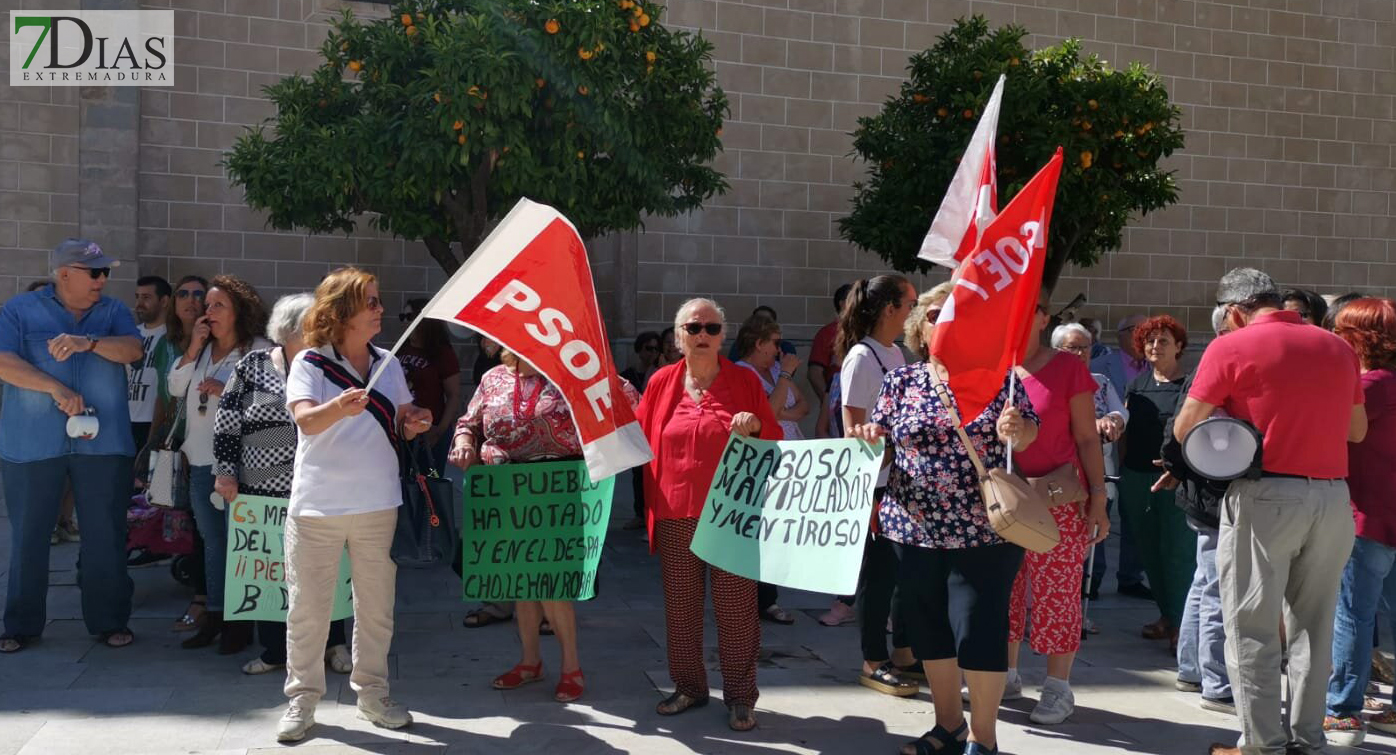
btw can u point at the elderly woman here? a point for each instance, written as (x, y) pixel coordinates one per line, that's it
(254, 447)
(688, 411)
(334, 503)
(1369, 326)
(1167, 545)
(956, 575)
(517, 417)
(231, 326)
(1110, 418)
(1062, 393)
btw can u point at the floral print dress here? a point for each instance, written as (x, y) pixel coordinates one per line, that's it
(932, 498)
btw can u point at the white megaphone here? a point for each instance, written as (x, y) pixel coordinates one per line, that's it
(1222, 448)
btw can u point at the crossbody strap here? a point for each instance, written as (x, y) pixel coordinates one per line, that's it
(954, 413)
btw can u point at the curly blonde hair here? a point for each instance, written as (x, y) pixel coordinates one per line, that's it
(340, 296)
(935, 297)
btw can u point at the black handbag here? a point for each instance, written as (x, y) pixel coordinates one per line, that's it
(427, 533)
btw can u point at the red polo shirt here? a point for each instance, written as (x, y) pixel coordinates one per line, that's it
(1295, 382)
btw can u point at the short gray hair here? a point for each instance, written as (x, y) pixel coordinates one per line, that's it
(287, 317)
(698, 302)
(1219, 319)
(1060, 333)
(1243, 284)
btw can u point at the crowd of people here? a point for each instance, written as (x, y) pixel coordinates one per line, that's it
(270, 401)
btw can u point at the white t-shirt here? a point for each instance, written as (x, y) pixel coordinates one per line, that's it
(142, 377)
(351, 467)
(184, 381)
(860, 379)
(792, 429)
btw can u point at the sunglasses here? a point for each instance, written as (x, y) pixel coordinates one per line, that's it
(95, 272)
(932, 315)
(185, 293)
(711, 328)
(375, 303)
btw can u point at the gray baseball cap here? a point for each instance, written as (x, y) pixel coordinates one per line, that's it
(79, 252)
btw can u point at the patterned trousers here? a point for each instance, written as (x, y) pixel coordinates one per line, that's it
(734, 604)
(1055, 580)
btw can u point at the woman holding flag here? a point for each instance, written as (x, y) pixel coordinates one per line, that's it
(932, 516)
(1062, 392)
(345, 491)
(688, 411)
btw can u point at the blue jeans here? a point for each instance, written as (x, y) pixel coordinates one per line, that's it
(213, 528)
(1202, 636)
(33, 493)
(1354, 623)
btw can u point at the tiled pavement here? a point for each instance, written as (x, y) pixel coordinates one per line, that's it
(70, 695)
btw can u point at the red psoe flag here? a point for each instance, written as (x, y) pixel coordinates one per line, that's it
(529, 288)
(984, 325)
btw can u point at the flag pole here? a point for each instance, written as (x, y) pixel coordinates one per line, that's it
(1012, 388)
(393, 351)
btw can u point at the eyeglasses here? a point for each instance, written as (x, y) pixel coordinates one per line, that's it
(185, 293)
(694, 328)
(95, 272)
(932, 315)
(375, 303)
(1074, 349)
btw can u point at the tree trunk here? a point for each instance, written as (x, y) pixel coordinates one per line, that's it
(441, 252)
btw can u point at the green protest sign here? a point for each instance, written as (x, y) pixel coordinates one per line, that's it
(533, 531)
(255, 582)
(791, 513)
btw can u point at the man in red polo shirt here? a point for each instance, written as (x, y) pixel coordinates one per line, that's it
(1286, 536)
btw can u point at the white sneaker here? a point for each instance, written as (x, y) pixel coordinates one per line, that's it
(1055, 706)
(385, 712)
(339, 659)
(295, 722)
(1012, 687)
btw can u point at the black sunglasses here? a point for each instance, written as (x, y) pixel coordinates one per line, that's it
(95, 272)
(694, 328)
(932, 315)
(185, 293)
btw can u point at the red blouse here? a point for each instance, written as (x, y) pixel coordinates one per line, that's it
(687, 438)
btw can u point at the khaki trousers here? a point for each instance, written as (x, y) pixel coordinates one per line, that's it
(313, 548)
(1282, 549)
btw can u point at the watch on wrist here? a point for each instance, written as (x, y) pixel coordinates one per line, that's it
(91, 343)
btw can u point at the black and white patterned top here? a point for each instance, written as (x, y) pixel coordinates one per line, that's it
(254, 437)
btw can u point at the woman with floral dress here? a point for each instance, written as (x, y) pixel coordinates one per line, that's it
(933, 512)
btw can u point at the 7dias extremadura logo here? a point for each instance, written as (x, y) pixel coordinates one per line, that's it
(92, 48)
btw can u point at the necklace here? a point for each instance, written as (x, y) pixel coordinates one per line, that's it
(524, 409)
(212, 369)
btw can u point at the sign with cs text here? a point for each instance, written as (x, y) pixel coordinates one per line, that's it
(255, 586)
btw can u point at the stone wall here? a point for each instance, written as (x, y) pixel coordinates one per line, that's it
(1287, 104)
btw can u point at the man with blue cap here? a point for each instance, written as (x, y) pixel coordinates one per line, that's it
(63, 355)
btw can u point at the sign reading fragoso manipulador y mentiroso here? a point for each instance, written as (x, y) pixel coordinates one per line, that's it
(92, 48)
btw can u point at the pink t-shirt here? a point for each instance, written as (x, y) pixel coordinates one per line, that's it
(1051, 390)
(1372, 463)
(1296, 383)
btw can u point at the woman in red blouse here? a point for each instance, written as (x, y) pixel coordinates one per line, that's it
(517, 416)
(688, 411)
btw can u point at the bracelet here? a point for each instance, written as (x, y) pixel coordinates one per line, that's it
(787, 376)
(91, 344)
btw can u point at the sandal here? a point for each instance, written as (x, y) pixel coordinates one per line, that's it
(569, 687)
(12, 643)
(193, 618)
(939, 740)
(741, 718)
(257, 666)
(518, 676)
(117, 638)
(1159, 630)
(775, 613)
(545, 629)
(341, 662)
(884, 679)
(483, 617)
(678, 703)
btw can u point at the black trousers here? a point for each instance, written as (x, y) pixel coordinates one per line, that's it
(272, 635)
(877, 588)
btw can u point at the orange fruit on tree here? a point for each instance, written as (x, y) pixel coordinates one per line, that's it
(650, 56)
(634, 27)
(584, 53)
(411, 31)
(473, 91)
(920, 98)
(355, 66)
(583, 91)
(460, 139)
(552, 26)
(943, 112)
(458, 125)
(406, 19)
(638, 11)
(1086, 159)
(645, 19)
(539, 83)
(436, 97)
(968, 114)
(719, 131)
(581, 155)
(1092, 104)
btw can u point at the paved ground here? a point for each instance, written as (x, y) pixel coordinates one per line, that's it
(70, 695)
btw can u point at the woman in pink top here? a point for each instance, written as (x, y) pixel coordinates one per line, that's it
(1062, 392)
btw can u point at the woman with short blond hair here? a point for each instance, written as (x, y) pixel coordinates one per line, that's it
(345, 490)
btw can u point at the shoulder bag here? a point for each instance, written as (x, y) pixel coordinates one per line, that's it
(167, 466)
(1016, 509)
(427, 533)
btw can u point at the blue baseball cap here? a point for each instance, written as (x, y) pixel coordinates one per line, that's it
(79, 252)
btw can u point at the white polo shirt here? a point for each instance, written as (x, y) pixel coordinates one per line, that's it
(351, 467)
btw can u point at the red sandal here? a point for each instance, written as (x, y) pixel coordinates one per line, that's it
(569, 687)
(518, 676)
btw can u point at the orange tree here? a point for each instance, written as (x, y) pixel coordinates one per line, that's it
(435, 120)
(1114, 127)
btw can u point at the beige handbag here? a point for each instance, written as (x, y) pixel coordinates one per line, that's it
(1018, 511)
(167, 466)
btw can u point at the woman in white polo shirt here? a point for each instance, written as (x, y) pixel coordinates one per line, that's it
(344, 491)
